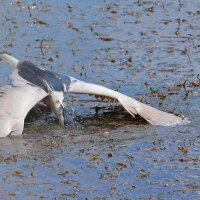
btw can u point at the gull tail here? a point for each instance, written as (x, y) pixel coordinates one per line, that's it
(150, 114)
(11, 60)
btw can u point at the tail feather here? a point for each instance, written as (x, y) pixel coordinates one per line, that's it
(11, 60)
(150, 114)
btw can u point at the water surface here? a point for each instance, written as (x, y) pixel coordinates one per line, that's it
(146, 49)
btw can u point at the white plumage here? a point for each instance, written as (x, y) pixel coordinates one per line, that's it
(16, 101)
(18, 98)
(152, 115)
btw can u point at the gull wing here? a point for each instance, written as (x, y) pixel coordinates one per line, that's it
(16, 100)
(150, 114)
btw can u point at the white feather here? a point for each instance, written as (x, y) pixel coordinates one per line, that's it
(10, 59)
(16, 101)
(150, 114)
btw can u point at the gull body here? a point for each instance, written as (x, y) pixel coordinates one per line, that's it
(36, 84)
(18, 98)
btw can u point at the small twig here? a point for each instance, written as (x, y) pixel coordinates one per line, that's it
(189, 54)
(184, 85)
(29, 9)
(41, 47)
(198, 77)
(192, 42)
(186, 91)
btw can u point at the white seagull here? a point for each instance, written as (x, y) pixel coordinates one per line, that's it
(31, 84)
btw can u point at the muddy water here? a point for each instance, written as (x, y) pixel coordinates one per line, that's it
(146, 49)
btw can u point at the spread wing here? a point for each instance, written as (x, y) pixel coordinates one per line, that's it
(152, 115)
(101, 93)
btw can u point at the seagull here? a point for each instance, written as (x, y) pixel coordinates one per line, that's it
(18, 98)
(31, 84)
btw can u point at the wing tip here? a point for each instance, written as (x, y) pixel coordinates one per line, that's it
(10, 59)
(160, 118)
(152, 115)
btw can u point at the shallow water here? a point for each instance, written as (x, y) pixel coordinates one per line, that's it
(146, 49)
